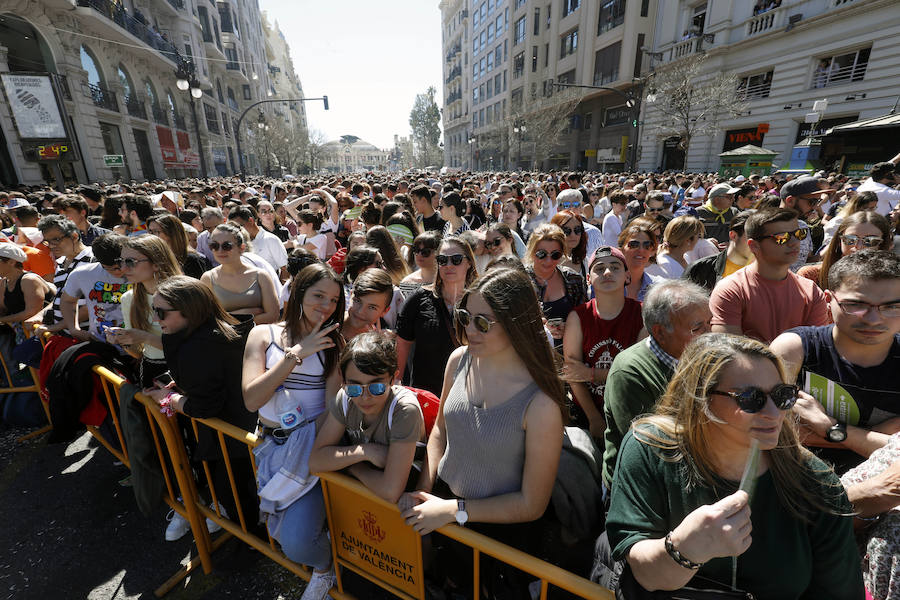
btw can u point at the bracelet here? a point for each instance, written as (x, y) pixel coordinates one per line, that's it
(294, 357)
(678, 557)
(165, 405)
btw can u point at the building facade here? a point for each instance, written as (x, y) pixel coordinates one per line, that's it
(502, 60)
(787, 57)
(112, 66)
(350, 154)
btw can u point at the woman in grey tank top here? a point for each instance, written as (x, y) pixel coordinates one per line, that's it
(494, 449)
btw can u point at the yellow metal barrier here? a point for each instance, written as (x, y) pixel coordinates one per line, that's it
(34, 387)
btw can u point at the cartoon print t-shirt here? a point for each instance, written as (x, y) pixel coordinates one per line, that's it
(102, 294)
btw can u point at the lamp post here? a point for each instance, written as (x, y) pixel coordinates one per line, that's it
(186, 79)
(237, 134)
(519, 129)
(472, 152)
(633, 102)
(263, 129)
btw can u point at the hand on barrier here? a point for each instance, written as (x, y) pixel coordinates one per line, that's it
(316, 341)
(428, 513)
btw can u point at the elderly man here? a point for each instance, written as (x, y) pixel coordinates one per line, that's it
(674, 312)
(211, 217)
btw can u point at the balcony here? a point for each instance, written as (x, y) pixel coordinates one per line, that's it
(770, 20)
(178, 119)
(754, 91)
(837, 75)
(212, 125)
(159, 115)
(135, 107)
(686, 48)
(457, 95)
(134, 25)
(102, 97)
(454, 73)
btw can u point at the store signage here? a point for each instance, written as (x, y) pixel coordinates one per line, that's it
(34, 106)
(818, 129)
(617, 116)
(736, 138)
(113, 160)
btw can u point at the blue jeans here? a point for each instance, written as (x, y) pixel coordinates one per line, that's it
(302, 531)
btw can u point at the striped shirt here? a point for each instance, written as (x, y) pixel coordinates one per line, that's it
(59, 280)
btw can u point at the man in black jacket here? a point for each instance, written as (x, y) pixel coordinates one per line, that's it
(709, 270)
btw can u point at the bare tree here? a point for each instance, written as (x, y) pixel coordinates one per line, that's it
(314, 148)
(689, 103)
(541, 120)
(289, 146)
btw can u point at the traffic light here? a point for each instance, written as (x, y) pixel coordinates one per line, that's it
(634, 122)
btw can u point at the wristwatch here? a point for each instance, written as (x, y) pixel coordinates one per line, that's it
(836, 433)
(461, 515)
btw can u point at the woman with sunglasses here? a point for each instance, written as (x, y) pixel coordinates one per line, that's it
(499, 241)
(677, 517)
(638, 244)
(858, 203)
(559, 289)
(576, 241)
(146, 261)
(383, 423)
(858, 231)
(204, 349)
(424, 250)
(425, 322)
(241, 288)
(493, 453)
(170, 229)
(290, 369)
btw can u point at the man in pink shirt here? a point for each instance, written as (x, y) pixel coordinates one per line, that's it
(765, 298)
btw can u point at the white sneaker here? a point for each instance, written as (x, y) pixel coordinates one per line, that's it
(178, 526)
(319, 584)
(212, 526)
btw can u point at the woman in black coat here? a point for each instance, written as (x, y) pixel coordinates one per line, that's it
(204, 350)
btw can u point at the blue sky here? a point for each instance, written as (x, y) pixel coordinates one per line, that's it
(370, 57)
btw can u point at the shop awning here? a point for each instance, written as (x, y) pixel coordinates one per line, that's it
(882, 122)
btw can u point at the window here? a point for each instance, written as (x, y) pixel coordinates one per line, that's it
(483, 38)
(588, 121)
(537, 20)
(755, 86)
(612, 14)
(645, 7)
(247, 95)
(518, 65)
(490, 33)
(489, 89)
(475, 95)
(474, 19)
(842, 68)
(520, 3)
(498, 24)
(490, 61)
(515, 99)
(570, 6)
(481, 67)
(520, 32)
(546, 55)
(606, 64)
(505, 53)
(475, 71)
(475, 45)
(498, 55)
(698, 22)
(483, 11)
(488, 113)
(534, 58)
(547, 12)
(504, 80)
(568, 44)
(498, 82)
(203, 15)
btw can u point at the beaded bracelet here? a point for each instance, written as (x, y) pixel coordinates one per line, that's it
(165, 405)
(678, 557)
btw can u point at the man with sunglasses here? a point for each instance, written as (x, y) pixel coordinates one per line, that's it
(709, 270)
(766, 298)
(850, 367)
(805, 195)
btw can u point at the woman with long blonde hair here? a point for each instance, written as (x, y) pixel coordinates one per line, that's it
(679, 238)
(146, 261)
(715, 491)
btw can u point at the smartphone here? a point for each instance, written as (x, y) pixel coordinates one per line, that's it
(163, 379)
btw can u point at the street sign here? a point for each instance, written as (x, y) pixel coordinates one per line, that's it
(113, 160)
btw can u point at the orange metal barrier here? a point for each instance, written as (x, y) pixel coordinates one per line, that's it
(34, 387)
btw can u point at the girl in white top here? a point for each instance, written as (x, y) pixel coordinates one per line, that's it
(680, 237)
(612, 222)
(308, 236)
(290, 368)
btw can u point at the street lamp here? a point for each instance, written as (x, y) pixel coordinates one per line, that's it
(519, 129)
(263, 129)
(186, 79)
(472, 152)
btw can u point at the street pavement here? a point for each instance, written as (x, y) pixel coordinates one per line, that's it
(69, 530)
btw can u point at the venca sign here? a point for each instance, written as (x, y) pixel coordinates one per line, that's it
(373, 540)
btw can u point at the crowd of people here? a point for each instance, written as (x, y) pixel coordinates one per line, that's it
(666, 382)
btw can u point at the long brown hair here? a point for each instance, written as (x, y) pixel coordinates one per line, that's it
(834, 252)
(293, 310)
(510, 294)
(579, 251)
(174, 230)
(379, 237)
(160, 256)
(471, 272)
(680, 427)
(197, 304)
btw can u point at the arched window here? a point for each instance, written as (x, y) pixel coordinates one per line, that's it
(89, 64)
(151, 93)
(125, 80)
(231, 99)
(172, 106)
(219, 91)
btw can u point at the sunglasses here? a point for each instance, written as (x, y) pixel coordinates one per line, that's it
(162, 312)
(456, 259)
(425, 252)
(782, 238)
(493, 244)
(870, 241)
(130, 263)
(225, 246)
(542, 254)
(355, 390)
(570, 204)
(482, 323)
(577, 230)
(652, 210)
(753, 399)
(634, 245)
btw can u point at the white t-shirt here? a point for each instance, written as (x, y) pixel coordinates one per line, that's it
(268, 246)
(319, 241)
(666, 267)
(698, 193)
(102, 294)
(887, 197)
(612, 227)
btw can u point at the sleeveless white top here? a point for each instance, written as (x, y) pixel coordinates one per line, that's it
(305, 386)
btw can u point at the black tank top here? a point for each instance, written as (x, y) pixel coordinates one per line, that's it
(874, 391)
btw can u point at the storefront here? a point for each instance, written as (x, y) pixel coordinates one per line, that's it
(852, 148)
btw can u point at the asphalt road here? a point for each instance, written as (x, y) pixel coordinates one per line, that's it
(68, 529)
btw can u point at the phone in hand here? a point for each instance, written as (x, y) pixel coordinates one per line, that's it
(163, 379)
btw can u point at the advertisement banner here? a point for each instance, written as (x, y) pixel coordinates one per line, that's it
(166, 145)
(34, 106)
